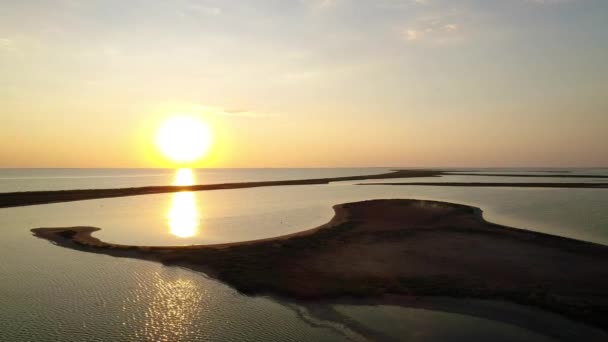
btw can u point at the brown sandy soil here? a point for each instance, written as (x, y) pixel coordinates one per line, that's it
(384, 248)
(505, 185)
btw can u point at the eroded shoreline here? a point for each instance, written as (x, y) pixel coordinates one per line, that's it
(381, 248)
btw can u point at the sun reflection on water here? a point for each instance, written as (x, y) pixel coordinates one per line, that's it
(171, 305)
(183, 216)
(184, 177)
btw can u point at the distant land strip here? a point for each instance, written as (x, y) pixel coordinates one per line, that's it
(18, 199)
(504, 185)
(380, 249)
(25, 198)
(457, 173)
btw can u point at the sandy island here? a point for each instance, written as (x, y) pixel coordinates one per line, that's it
(384, 249)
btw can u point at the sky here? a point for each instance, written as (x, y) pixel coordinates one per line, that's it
(307, 83)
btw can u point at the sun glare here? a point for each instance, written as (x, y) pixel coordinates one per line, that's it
(183, 139)
(184, 216)
(184, 177)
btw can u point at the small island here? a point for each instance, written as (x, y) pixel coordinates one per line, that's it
(388, 249)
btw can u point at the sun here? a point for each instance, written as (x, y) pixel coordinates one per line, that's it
(183, 139)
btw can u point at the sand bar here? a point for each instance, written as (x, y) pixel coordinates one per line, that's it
(525, 175)
(406, 248)
(504, 185)
(17, 199)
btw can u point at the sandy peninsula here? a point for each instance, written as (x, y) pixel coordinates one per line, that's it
(383, 249)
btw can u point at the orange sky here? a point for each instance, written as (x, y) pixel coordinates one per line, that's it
(306, 83)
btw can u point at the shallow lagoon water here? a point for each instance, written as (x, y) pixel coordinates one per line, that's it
(48, 293)
(209, 217)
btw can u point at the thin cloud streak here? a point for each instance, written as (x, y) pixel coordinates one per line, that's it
(237, 113)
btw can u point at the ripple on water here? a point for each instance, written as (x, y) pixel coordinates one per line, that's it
(56, 294)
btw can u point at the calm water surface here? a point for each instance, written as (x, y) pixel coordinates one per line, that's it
(49, 293)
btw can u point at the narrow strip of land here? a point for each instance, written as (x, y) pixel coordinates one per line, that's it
(524, 175)
(382, 248)
(17, 199)
(503, 185)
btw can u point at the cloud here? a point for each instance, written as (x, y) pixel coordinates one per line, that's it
(450, 27)
(218, 111)
(433, 31)
(412, 34)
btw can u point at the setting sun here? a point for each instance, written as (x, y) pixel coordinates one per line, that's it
(183, 139)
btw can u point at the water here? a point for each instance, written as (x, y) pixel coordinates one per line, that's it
(50, 293)
(208, 217)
